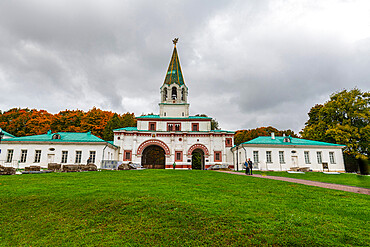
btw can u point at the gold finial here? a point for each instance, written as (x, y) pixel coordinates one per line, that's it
(175, 40)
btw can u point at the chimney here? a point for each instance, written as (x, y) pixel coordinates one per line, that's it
(272, 135)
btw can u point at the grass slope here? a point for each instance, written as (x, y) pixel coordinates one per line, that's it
(343, 178)
(177, 208)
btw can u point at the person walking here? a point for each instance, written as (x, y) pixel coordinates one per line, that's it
(246, 167)
(174, 165)
(250, 165)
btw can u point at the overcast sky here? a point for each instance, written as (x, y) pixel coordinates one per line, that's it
(246, 63)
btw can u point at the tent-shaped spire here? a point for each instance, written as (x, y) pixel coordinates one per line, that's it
(174, 74)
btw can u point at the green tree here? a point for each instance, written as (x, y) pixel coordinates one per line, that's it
(214, 122)
(343, 119)
(114, 123)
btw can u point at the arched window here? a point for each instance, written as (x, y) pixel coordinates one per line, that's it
(56, 137)
(165, 94)
(174, 93)
(183, 94)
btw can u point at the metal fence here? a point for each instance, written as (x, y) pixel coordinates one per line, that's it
(110, 164)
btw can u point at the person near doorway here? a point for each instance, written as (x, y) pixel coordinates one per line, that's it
(246, 167)
(250, 166)
(174, 165)
(88, 161)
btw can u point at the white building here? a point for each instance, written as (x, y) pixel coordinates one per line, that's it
(173, 136)
(62, 148)
(282, 153)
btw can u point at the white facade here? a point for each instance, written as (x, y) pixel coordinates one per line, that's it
(20, 154)
(283, 157)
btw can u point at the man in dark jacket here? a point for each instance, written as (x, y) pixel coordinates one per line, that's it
(246, 167)
(250, 165)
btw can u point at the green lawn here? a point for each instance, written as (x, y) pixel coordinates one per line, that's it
(176, 208)
(343, 178)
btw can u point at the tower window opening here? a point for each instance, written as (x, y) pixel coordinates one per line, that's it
(170, 127)
(165, 94)
(174, 93)
(183, 94)
(177, 127)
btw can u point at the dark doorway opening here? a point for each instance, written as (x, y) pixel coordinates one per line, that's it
(153, 157)
(197, 159)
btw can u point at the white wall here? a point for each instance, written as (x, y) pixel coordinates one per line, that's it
(213, 143)
(47, 155)
(275, 165)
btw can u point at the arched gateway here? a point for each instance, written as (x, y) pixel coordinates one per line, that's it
(153, 154)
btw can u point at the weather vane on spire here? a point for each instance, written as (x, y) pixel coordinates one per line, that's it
(175, 40)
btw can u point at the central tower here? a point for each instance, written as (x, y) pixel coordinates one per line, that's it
(174, 92)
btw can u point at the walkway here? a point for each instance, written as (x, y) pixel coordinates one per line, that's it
(312, 183)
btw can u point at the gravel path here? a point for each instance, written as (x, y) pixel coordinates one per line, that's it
(312, 183)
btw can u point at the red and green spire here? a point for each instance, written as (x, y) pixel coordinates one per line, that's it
(174, 73)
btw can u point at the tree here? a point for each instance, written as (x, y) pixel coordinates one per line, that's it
(343, 119)
(214, 123)
(247, 135)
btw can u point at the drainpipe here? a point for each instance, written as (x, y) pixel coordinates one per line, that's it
(237, 160)
(106, 145)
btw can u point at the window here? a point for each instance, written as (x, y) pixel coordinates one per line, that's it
(255, 157)
(174, 93)
(228, 142)
(23, 156)
(319, 157)
(127, 155)
(92, 157)
(268, 157)
(307, 157)
(56, 137)
(177, 127)
(169, 127)
(218, 157)
(37, 156)
(152, 126)
(331, 157)
(195, 127)
(64, 157)
(78, 157)
(9, 157)
(178, 155)
(281, 157)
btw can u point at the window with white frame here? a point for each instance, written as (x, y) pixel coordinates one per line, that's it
(9, 157)
(78, 157)
(37, 156)
(281, 157)
(307, 157)
(23, 156)
(255, 157)
(319, 157)
(331, 158)
(64, 157)
(92, 157)
(268, 157)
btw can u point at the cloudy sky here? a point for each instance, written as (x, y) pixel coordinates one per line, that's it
(247, 63)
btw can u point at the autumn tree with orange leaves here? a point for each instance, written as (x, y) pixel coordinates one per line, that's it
(25, 122)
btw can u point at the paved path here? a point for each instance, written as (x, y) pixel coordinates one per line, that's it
(312, 183)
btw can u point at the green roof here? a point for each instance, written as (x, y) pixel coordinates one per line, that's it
(6, 133)
(279, 140)
(64, 137)
(174, 73)
(157, 116)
